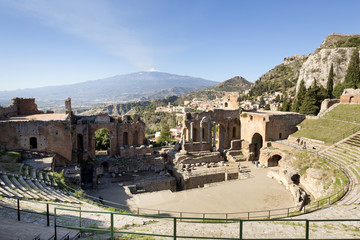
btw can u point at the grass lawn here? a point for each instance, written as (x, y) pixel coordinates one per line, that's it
(346, 112)
(326, 130)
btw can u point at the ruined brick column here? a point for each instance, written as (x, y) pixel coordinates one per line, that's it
(191, 132)
(214, 136)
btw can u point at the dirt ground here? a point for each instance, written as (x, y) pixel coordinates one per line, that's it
(258, 192)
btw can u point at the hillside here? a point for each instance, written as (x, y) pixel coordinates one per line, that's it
(120, 88)
(235, 84)
(281, 77)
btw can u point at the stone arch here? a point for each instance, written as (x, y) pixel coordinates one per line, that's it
(80, 142)
(33, 143)
(256, 145)
(351, 99)
(273, 161)
(125, 138)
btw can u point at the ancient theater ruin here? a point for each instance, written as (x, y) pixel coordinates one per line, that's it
(211, 147)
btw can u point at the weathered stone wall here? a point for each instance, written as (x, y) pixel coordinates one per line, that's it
(213, 129)
(51, 136)
(326, 105)
(19, 107)
(152, 185)
(230, 100)
(126, 134)
(350, 96)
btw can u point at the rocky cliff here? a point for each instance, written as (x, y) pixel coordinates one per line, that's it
(336, 49)
(318, 64)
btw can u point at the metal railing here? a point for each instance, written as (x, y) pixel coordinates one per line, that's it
(113, 229)
(45, 211)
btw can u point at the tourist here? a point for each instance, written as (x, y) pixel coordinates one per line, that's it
(101, 199)
(257, 163)
(240, 168)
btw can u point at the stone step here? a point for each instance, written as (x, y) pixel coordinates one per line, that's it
(4, 192)
(30, 188)
(32, 185)
(60, 196)
(336, 158)
(12, 186)
(342, 154)
(339, 152)
(352, 149)
(19, 186)
(9, 190)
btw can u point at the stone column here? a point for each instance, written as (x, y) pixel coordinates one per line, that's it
(214, 136)
(208, 132)
(32, 173)
(201, 133)
(191, 132)
(26, 170)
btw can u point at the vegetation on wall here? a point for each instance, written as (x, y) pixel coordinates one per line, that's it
(102, 139)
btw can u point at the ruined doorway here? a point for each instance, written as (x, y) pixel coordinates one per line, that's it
(33, 143)
(80, 143)
(234, 133)
(274, 161)
(105, 166)
(102, 141)
(125, 139)
(256, 145)
(195, 139)
(222, 136)
(351, 100)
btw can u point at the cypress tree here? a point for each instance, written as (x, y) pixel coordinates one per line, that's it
(352, 77)
(330, 82)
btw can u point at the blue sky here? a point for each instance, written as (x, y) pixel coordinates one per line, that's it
(56, 42)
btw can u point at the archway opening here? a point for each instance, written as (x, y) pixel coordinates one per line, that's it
(125, 139)
(226, 104)
(102, 141)
(80, 142)
(33, 143)
(256, 145)
(105, 166)
(234, 132)
(195, 139)
(296, 179)
(203, 134)
(351, 100)
(274, 161)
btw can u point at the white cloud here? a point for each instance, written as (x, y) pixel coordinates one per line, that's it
(92, 20)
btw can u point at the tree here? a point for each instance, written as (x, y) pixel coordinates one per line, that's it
(301, 92)
(277, 98)
(267, 107)
(262, 101)
(286, 105)
(165, 135)
(330, 82)
(352, 77)
(102, 139)
(312, 100)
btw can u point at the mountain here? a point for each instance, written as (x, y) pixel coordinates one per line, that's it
(235, 84)
(281, 77)
(120, 88)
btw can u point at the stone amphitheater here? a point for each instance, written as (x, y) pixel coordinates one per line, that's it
(34, 205)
